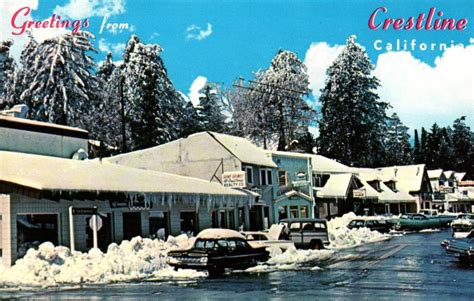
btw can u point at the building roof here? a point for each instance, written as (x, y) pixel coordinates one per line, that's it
(435, 173)
(459, 176)
(289, 154)
(448, 174)
(409, 177)
(323, 164)
(41, 127)
(291, 193)
(243, 149)
(58, 174)
(337, 186)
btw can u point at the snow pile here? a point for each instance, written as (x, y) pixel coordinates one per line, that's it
(342, 237)
(138, 258)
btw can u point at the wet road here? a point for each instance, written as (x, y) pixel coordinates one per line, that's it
(409, 267)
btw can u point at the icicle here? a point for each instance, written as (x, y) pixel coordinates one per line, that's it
(209, 203)
(170, 200)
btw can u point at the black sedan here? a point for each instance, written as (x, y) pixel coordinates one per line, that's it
(216, 250)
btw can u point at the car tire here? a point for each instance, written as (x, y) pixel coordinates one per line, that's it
(215, 271)
(316, 245)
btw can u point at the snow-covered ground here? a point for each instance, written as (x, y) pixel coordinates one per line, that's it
(143, 258)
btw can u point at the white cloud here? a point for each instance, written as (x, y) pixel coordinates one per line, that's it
(422, 94)
(81, 9)
(318, 58)
(115, 48)
(196, 86)
(195, 32)
(154, 35)
(419, 93)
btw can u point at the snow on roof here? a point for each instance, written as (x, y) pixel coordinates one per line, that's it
(289, 154)
(409, 177)
(219, 233)
(243, 149)
(387, 195)
(448, 174)
(435, 173)
(293, 193)
(58, 174)
(323, 164)
(370, 191)
(459, 176)
(39, 124)
(337, 186)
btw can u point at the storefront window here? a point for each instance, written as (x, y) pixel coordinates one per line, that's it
(304, 211)
(189, 223)
(158, 223)
(293, 211)
(132, 225)
(34, 229)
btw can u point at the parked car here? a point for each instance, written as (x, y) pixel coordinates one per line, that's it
(217, 249)
(309, 233)
(445, 218)
(420, 221)
(374, 224)
(462, 248)
(270, 238)
(463, 225)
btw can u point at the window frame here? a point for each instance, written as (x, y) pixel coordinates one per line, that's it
(246, 168)
(267, 172)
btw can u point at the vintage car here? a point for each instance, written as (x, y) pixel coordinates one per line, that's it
(268, 239)
(215, 250)
(306, 233)
(420, 221)
(462, 248)
(374, 224)
(463, 225)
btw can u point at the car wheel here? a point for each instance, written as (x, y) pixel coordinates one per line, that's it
(215, 271)
(315, 245)
(176, 269)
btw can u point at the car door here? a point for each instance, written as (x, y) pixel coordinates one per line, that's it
(296, 235)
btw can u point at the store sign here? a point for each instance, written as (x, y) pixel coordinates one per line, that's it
(358, 193)
(299, 183)
(234, 179)
(84, 211)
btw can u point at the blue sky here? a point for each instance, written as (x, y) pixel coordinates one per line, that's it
(239, 37)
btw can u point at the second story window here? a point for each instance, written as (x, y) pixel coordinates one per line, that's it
(282, 178)
(266, 176)
(249, 173)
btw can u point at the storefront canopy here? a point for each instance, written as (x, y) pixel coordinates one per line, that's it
(66, 175)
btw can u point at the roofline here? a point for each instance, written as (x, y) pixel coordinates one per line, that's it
(42, 127)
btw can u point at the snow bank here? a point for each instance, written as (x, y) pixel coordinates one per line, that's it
(342, 237)
(138, 258)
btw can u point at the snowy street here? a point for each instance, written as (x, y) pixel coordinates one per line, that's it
(409, 266)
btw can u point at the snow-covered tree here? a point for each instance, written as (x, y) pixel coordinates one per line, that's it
(153, 108)
(276, 102)
(397, 145)
(62, 87)
(352, 126)
(210, 110)
(417, 155)
(191, 122)
(106, 68)
(7, 75)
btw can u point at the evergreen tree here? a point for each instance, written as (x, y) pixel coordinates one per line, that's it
(417, 159)
(462, 146)
(303, 143)
(106, 68)
(24, 76)
(7, 75)
(191, 124)
(62, 86)
(423, 146)
(352, 127)
(445, 160)
(398, 150)
(210, 110)
(153, 108)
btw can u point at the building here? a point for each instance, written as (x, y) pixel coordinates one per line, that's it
(216, 157)
(43, 192)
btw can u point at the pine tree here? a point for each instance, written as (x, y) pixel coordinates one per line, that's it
(417, 159)
(7, 75)
(445, 152)
(153, 108)
(61, 86)
(352, 126)
(462, 146)
(398, 150)
(106, 68)
(210, 110)
(191, 123)
(423, 146)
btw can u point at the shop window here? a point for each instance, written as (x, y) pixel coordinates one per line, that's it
(223, 219)
(35, 229)
(158, 223)
(189, 222)
(282, 178)
(132, 225)
(293, 211)
(266, 176)
(304, 211)
(282, 212)
(241, 215)
(249, 173)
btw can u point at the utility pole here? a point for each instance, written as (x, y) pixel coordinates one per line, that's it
(122, 112)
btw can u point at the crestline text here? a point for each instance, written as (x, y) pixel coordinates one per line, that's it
(431, 22)
(54, 22)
